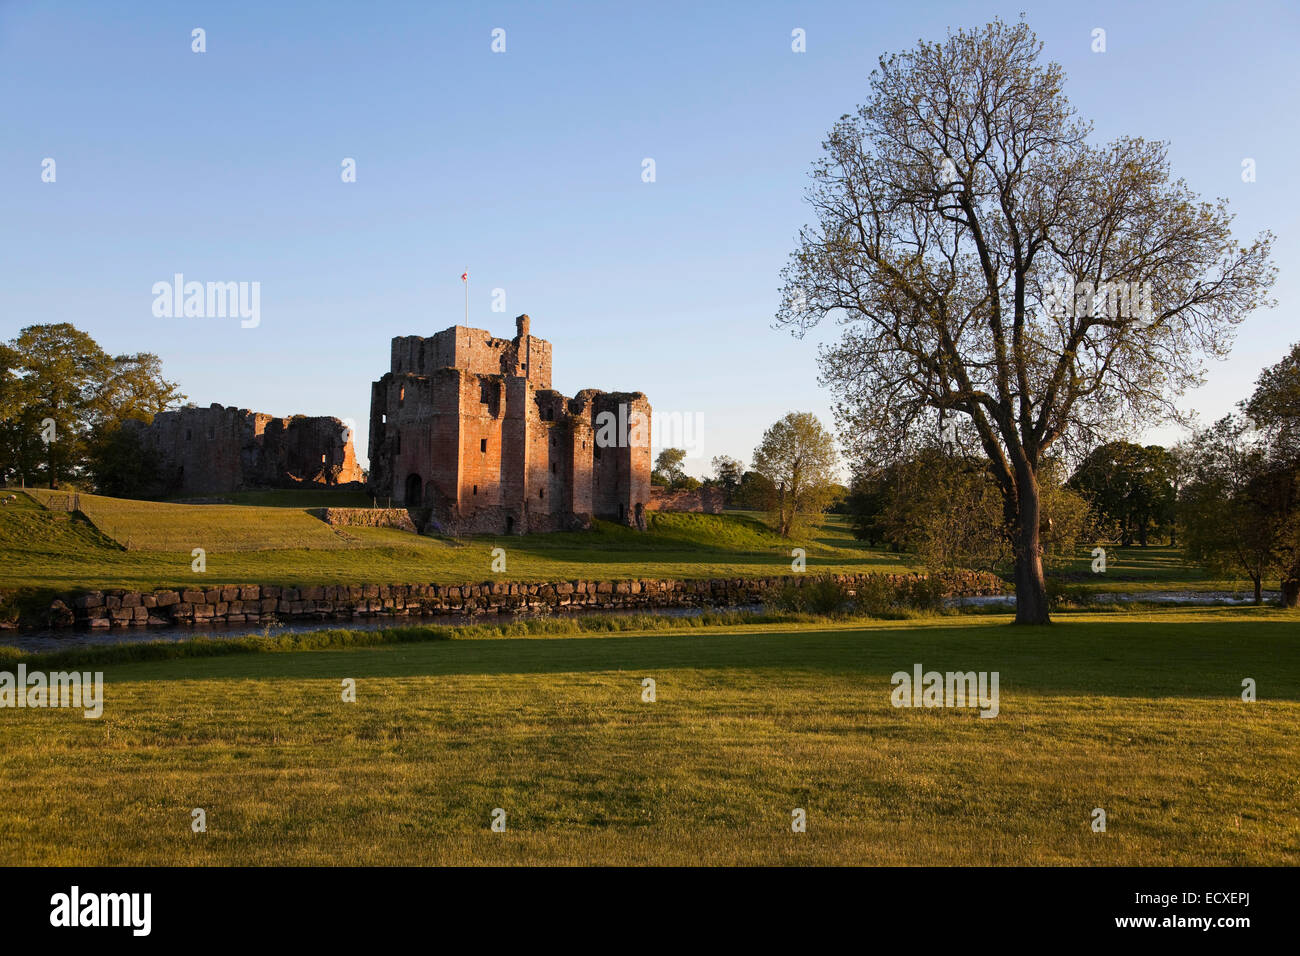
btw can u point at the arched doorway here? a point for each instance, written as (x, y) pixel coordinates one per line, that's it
(413, 488)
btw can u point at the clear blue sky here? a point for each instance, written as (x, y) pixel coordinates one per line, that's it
(525, 168)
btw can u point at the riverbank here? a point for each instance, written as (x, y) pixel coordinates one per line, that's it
(255, 604)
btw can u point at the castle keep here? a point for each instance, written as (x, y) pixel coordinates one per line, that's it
(219, 449)
(466, 428)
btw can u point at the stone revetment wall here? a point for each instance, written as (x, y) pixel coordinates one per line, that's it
(256, 604)
(365, 517)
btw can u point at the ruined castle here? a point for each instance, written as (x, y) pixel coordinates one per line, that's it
(466, 431)
(216, 450)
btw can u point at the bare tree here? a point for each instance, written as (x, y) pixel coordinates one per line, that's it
(993, 268)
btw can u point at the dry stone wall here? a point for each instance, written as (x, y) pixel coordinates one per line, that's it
(257, 604)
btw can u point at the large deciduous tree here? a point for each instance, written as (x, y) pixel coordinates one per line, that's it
(797, 456)
(668, 470)
(1235, 505)
(63, 400)
(1130, 489)
(60, 372)
(995, 270)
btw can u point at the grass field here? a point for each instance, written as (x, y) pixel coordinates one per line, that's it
(136, 544)
(272, 540)
(1140, 715)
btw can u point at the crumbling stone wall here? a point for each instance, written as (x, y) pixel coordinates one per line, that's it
(466, 428)
(398, 518)
(220, 449)
(709, 501)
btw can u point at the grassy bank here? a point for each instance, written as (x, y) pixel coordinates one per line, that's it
(1139, 714)
(135, 544)
(120, 543)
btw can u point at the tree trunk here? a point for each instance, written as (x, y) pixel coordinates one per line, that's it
(1259, 590)
(1031, 587)
(1291, 589)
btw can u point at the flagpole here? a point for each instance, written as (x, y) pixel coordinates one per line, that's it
(467, 297)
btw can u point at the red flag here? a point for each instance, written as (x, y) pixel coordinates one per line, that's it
(464, 277)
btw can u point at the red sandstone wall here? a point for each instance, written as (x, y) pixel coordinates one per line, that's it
(220, 449)
(702, 500)
(523, 460)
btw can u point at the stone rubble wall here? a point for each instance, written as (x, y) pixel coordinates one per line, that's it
(709, 501)
(365, 517)
(257, 604)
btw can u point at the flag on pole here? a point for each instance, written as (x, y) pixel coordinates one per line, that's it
(464, 277)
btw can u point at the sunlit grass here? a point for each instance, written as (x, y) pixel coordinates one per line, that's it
(1138, 714)
(137, 544)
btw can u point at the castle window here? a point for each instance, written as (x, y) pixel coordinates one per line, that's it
(322, 459)
(482, 445)
(401, 396)
(476, 489)
(188, 436)
(541, 492)
(552, 467)
(383, 418)
(211, 434)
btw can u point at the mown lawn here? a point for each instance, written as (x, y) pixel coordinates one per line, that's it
(1156, 567)
(1140, 715)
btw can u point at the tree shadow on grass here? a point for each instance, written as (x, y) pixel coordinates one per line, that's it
(1096, 657)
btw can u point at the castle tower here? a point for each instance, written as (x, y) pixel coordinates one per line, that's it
(466, 428)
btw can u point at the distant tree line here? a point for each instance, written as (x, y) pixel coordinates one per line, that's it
(793, 477)
(1229, 494)
(945, 508)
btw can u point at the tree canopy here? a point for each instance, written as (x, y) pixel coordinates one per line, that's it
(63, 400)
(797, 456)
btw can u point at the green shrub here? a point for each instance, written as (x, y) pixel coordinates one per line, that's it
(814, 596)
(1062, 594)
(878, 596)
